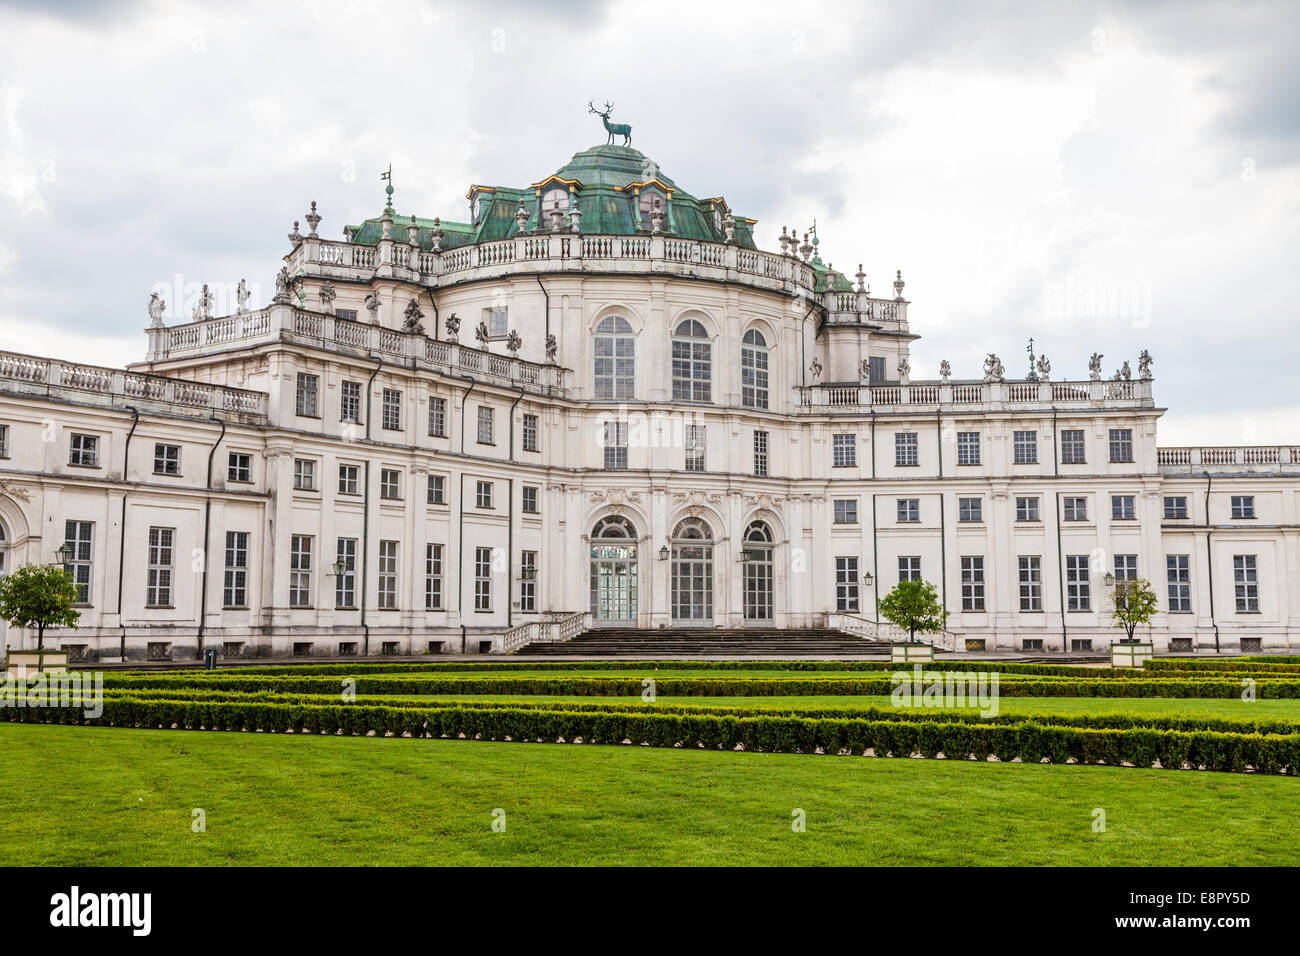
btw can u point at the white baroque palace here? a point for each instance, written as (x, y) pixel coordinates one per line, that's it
(598, 403)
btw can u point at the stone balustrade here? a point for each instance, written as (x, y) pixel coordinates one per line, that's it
(973, 396)
(1227, 459)
(594, 254)
(30, 375)
(286, 323)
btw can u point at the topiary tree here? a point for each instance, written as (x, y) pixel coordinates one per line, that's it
(914, 606)
(1133, 602)
(39, 596)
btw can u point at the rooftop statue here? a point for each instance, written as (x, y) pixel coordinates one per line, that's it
(614, 129)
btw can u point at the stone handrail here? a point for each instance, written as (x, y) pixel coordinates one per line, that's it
(281, 322)
(34, 375)
(567, 251)
(561, 628)
(870, 630)
(851, 397)
(1196, 459)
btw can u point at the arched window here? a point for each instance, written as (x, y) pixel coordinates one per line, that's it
(615, 368)
(614, 527)
(757, 558)
(692, 363)
(753, 370)
(647, 203)
(552, 200)
(613, 571)
(692, 572)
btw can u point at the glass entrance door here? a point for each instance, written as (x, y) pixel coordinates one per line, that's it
(692, 573)
(758, 577)
(613, 572)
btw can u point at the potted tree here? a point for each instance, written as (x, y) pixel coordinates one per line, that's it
(38, 596)
(1132, 602)
(915, 608)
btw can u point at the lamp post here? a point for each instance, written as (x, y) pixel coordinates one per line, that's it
(663, 553)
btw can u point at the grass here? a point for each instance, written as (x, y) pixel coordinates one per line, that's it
(106, 796)
(1216, 707)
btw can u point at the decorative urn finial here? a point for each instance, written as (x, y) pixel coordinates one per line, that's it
(313, 220)
(898, 286)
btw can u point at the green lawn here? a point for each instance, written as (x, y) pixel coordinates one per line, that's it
(1230, 708)
(104, 796)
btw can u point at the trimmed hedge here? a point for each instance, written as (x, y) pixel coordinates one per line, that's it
(1183, 722)
(1173, 665)
(1029, 742)
(1009, 686)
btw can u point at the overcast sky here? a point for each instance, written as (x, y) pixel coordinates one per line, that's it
(1100, 176)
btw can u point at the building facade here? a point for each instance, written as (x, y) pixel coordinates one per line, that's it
(598, 402)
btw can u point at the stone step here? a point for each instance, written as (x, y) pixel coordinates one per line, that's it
(740, 642)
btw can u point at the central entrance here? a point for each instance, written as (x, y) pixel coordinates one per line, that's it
(613, 572)
(692, 572)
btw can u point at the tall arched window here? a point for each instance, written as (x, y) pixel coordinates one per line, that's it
(615, 369)
(757, 558)
(692, 572)
(753, 370)
(692, 363)
(613, 571)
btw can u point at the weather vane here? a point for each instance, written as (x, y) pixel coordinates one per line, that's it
(1033, 373)
(388, 190)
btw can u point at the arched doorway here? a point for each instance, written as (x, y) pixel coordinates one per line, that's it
(613, 572)
(758, 578)
(692, 572)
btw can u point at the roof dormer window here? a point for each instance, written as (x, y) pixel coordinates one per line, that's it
(554, 200)
(647, 201)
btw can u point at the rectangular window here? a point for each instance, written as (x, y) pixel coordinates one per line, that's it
(909, 568)
(234, 591)
(1176, 506)
(162, 552)
(1126, 567)
(846, 584)
(300, 548)
(905, 449)
(530, 499)
(1078, 589)
(844, 451)
(239, 467)
(438, 417)
(4, 441)
(437, 490)
(972, 582)
(1121, 444)
(909, 509)
(1027, 509)
(83, 450)
(166, 459)
(875, 369)
(486, 424)
(1072, 448)
(616, 446)
(970, 509)
(1123, 508)
(760, 454)
(530, 433)
(846, 510)
(390, 484)
(350, 402)
(498, 321)
(304, 475)
(1243, 506)
(1024, 447)
(347, 315)
(483, 494)
(77, 535)
(482, 579)
(1076, 509)
(433, 577)
(1245, 577)
(528, 581)
(695, 435)
(968, 448)
(345, 584)
(692, 369)
(387, 576)
(1179, 576)
(392, 409)
(307, 395)
(1031, 582)
(349, 479)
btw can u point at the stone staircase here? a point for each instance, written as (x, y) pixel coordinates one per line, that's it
(713, 641)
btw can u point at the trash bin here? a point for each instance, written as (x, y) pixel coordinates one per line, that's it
(210, 658)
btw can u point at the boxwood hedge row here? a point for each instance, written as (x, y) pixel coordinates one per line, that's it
(1029, 742)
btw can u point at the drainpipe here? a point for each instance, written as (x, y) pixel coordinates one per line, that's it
(207, 535)
(1209, 559)
(873, 444)
(875, 560)
(460, 534)
(803, 334)
(1060, 570)
(437, 321)
(121, 544)
(365, 515)
(510, 518)
(547, 295)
